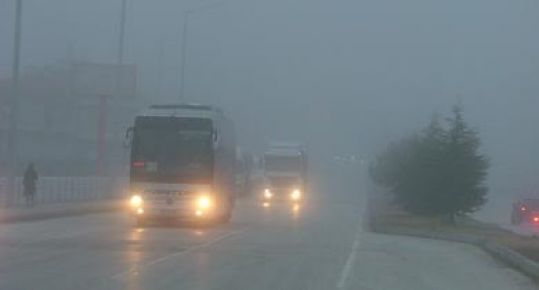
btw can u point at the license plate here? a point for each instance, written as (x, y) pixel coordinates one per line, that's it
(168, 211)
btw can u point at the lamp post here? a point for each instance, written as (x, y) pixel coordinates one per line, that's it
(184, 40)
(12, 140)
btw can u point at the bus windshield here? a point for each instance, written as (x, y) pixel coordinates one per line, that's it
(172, 156)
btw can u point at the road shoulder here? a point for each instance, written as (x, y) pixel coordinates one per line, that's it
(41, 212)
(513, 250)
(401, 262)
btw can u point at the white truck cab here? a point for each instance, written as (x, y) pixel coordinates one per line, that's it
(285, 172)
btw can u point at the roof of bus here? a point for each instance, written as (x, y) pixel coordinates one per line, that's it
(184, 110)
(285, 144)
(184, 107)
(283, 152)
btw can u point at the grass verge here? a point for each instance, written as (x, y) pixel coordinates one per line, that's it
(387, 217)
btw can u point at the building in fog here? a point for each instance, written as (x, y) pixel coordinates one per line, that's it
(60, 110)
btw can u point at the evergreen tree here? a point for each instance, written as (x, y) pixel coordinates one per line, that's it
(421, 179)
(464, 190)
(438, 172)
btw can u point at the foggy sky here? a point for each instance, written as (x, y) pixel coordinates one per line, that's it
(344, 76)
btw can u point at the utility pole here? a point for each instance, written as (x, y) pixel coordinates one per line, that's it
(102, 118)
(12, 146)
(183, 53)
(121, 34)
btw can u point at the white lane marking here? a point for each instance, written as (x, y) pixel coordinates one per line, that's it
(345, 273)
(350, 261)
(136, 268)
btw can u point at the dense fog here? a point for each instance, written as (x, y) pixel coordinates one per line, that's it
(344, 77)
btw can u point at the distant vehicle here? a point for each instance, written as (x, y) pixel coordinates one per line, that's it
(182, 164)
(525, 211)
(244, 172)
(285, 172)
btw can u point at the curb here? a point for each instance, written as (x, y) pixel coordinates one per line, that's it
(72, 210)
(458, 238)
(505, 254)
(513, 258)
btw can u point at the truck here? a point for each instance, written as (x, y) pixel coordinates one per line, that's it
(182, 164)
(285, 172)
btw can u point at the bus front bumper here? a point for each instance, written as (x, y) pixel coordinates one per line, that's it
(192, 209)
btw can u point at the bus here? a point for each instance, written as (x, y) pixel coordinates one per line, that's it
(182, 164)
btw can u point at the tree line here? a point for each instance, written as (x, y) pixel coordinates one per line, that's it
(436, 171)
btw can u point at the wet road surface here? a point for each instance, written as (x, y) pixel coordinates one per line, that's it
(319, 245)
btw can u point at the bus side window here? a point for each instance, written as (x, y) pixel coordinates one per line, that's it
(128, 137)
(216, 140)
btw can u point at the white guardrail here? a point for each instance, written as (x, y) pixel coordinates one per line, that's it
(68, 189)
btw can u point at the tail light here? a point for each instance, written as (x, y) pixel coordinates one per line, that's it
(138, 164)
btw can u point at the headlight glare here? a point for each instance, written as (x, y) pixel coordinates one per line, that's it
(267, 193)
(296, 194)
(135, 201)
(204, 202)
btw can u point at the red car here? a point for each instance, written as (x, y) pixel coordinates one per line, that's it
(525, 211)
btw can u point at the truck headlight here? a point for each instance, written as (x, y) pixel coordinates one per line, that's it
(204, 202)
(296, 194)
(267, 193)
(135, 201)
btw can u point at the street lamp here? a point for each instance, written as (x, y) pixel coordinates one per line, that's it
(121, 34)
(12, 142)
(184, 39)
(183, 52)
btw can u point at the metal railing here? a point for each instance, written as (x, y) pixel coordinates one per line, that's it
(67, 189)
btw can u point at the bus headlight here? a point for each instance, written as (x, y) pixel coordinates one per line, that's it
(296, 194)
(135, 201)
(204, 202)
(267, 193)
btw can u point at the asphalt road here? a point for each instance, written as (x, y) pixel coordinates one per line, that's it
(320, 245)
